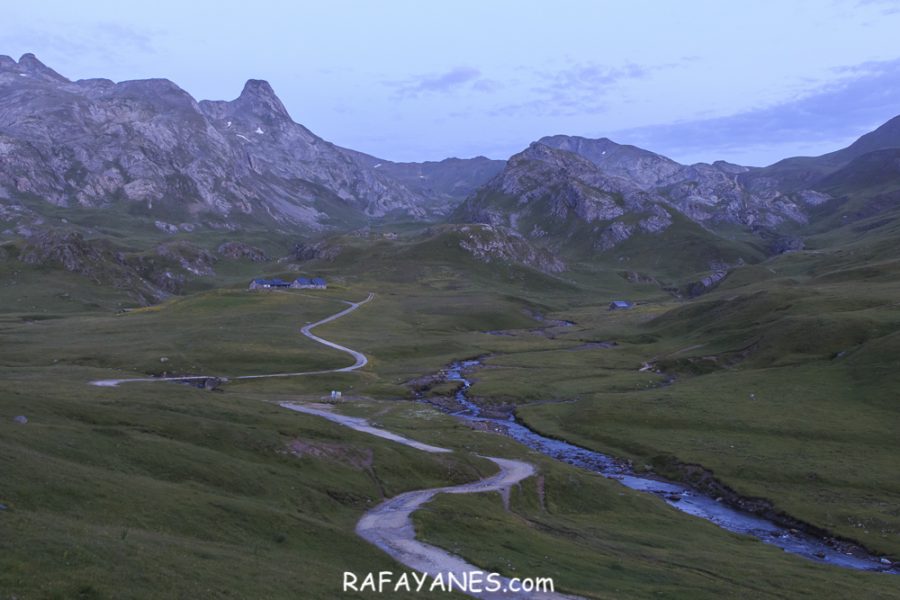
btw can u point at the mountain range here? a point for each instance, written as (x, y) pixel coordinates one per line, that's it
(147, 152)
(148, 145)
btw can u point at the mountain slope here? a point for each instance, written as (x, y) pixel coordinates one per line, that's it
(441, 185)
(149, 146)
(566, 203)
(808, 171)
(644, 168)
(542, 189)
(706, 193)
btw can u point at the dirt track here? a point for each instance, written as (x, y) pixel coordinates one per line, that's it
(306, 330)
(389, 525)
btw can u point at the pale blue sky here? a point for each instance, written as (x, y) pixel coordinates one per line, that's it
(696, 80)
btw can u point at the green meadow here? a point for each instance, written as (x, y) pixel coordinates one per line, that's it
(782, 381)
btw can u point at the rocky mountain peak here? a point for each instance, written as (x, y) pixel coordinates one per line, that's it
(30, 65)
(646, 169)
(259, 99)
(576, 141)
(727, 167)
(554, 156)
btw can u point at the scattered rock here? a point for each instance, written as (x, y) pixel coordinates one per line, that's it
(163, 359)
(149, 277)
(189, 257)
(886, 561)
(499, 411)
(166, 227)
(422, 384)
(20, 419)
(213, 383)
(707, 283)
(489, 243)
(785, 245)
(240, 250)
(635, 277)
(322, 250)
(446, 403)
(613, 235)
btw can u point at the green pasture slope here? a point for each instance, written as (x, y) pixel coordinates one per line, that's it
(782, 381)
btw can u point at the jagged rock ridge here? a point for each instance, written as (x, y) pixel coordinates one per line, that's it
(149, 146)
(714, 193)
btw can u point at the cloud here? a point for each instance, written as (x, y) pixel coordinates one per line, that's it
(456, 79)
(66, 46)
(97, 38)
(125, 35)
(858, 99)
(578, 89)
(592, 76)
(884, 7)
(486, 85)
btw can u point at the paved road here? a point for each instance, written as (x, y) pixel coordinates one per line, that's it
(306, 330)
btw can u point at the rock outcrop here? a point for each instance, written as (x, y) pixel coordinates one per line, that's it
(147, 277)
(242, 251)
(489, 243)
(544, 189)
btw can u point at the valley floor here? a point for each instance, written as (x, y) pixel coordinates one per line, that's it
(152, 489)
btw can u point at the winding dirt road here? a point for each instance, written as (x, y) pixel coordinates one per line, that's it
(306, 330)
(360, 424)
(389, 525)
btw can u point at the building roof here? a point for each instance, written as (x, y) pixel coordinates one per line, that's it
(318, 281)
(303, 280)
(270, 282)
(621, 303)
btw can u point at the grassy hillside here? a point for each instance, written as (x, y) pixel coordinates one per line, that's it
(781, 381)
